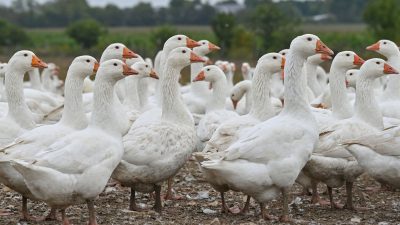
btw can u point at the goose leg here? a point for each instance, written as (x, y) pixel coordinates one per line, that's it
(285, 214)
(315, 196)
(157, 205)
(132, 202)
(65, 220)
(334, 205)
(25, 213)
(92, 212)
(264, 213)
(349, 193)
(246, 205)
(170, 195)
(225, 208)
(52, 216)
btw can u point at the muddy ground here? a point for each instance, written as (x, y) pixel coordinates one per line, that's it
(201, 205)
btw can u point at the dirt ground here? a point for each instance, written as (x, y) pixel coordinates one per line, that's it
(201, 205)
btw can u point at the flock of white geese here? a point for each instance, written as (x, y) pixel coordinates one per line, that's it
(63, 143)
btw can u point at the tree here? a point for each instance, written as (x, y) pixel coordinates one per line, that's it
(161, 34)
(223, 26)
(11, 34)
(383, 19)
(86, 32)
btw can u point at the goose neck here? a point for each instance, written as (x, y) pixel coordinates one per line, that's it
(131, 99)
(34, 78)
(261, 87)
(17, 108)
(217, 99)
(173, 108)
(104, 116)
(143, 92)
(197, 87)
(311, 71)
(295, 84)
(74, 114)
(341, 107)
(366, 106)
(392, 91)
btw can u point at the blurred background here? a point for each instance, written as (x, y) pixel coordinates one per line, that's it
(58, 30)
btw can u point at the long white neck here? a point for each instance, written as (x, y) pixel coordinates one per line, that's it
(46, 80)
(249, 98)
(34, 78)
(341, 107)
(295, 95)
(131, 99)
(229, 79)
(261, 86)
(73, 114)
(199, 88)
(392, 91)
(104, 114)
(366, 106)
(218, 97)
(1, 87)
(173, 108)
(312, 82)
(143, 92)
(17, 108)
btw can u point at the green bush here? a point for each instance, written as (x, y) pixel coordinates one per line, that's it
(12, 35)
(161, 34)
(223, 26)
(86, 32)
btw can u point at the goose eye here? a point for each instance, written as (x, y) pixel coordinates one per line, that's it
(115, 64)
(26, 54)
(309, 39)
(208, 69)
(183, 51)
(351, 74)
(116, 47)
(384, 42)
(179, 38)
(87, 60)
(378, 63)
(347, 54)
(147, 66)
(274, 57)
(283, 53)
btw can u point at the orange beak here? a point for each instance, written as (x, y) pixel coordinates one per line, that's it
(195, 58)
(96, 67)
(213, 47)
(234, 103)
(358, 60)
(153, 74)
(128, 54)
(374, 47)
(283, 62)
(191, 43)
(38, 63)
(325, 57)
(387, 69)
(322, 48)
(127, 71)
(201, 76)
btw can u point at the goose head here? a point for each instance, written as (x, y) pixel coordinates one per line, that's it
(309, 44)
(271, 63)
(182, 56)
(26, 60)
(351, 77)
(205, 47)
(144, 70)
(180, 40)
(347, 60)
(374, 68)
(284, 52)
(3, 67)
(318, 58)
(211, 74)
(117, 51)
(238, 92)
(114, 70)
(84, 66)
(384, 47)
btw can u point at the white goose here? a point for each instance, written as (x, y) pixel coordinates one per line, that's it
(311, 71)
(263, 152)
(230, 131)
(390, 99)
(330, 162)
(240, 90)
(76, 168)
(19, 118)
(216, 112)
(247, 71)
(33, 141)
(156, 150)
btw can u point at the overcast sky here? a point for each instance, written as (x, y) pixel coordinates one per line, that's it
(120, 3)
